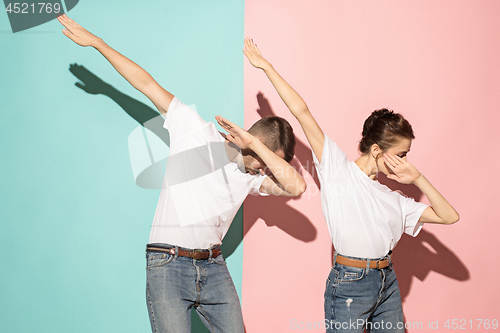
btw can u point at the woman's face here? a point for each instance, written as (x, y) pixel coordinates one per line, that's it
(400, 149)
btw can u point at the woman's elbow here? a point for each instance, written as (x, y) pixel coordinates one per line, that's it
(453, 219)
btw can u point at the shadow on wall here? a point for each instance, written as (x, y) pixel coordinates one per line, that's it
(274, 210)
(148, 117)
(418, 256)
(286, 218)
(413, 256)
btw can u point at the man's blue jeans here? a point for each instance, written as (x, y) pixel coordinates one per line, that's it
(176, 284)
(359, 298)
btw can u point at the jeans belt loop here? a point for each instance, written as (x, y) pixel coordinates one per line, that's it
(210, 259)
(335, 258)
(176, 252)
(367, 266)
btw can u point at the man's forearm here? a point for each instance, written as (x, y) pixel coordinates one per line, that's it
(286, 175)
(132, 72)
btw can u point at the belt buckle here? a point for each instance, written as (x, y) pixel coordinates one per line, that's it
(378, 267)
(198, 255)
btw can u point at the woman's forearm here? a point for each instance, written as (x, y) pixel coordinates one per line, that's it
(441, 207)
(290, 97)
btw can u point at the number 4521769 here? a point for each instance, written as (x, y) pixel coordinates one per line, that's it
(463, 324)
(41, 7)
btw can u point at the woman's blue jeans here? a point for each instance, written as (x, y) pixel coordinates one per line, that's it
(359, 298)
(176, 284)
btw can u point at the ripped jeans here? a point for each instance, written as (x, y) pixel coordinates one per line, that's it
(177, 284)
(360, 298)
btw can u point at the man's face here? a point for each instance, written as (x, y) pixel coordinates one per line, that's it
(254, 164)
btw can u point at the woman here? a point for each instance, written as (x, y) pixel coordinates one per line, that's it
(364, 217)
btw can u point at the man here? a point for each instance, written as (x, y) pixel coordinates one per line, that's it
(208, 177)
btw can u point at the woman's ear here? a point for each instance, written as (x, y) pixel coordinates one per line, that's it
(375, 151)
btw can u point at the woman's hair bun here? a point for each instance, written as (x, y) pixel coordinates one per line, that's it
(373, 119)
(384, 127)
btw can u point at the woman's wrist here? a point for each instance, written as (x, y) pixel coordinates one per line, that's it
(419, 179)
(267, 67)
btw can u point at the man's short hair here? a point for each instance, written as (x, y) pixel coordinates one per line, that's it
(277, 134)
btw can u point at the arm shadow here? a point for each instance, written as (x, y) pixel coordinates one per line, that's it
(152, 120)
(302, 151)
(140, 112)
(421, 255)
(285, 217)
(274, 210)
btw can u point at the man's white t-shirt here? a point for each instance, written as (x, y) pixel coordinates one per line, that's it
(365, 218)
(202, 189)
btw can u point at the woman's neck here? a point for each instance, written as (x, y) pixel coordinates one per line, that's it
(368, 165)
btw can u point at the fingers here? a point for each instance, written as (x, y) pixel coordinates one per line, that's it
(69, 24)
(65, 20)
(221, 120)
(390, 161)
(393, 160)
(251, 46)
(393, 177)
(225, 124)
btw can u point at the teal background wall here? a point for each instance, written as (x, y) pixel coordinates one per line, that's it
(73, 222)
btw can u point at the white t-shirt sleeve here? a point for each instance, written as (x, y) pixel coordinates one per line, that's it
(332, 158)
(257, 184)
(181, 120)
(413, 211)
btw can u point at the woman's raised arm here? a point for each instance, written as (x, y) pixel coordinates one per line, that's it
(292, 99)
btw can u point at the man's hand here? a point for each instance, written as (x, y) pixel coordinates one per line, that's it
(237, 135)
(403, 172)
(252, 52)
(76, 32)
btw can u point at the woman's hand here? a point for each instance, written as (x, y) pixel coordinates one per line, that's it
(253, 55)
(76, 32)
(402, 171)
(237, 135)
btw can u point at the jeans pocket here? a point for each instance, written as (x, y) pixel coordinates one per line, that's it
(350, 274)
(158, 259)
(219, 260)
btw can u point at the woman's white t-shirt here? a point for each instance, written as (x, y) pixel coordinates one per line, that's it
(365, 218)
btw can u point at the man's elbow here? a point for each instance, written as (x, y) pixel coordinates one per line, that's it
(299, 189)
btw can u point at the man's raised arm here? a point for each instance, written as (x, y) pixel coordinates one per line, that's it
(133, 73)
(290, 182)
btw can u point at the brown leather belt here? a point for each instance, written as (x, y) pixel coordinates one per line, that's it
(196, 254)
(361, 263)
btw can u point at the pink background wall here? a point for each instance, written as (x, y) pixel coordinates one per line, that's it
(437, 63)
